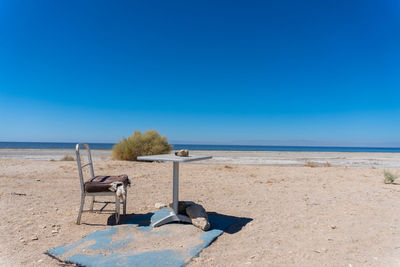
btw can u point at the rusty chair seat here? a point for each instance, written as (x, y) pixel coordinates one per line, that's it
(103, 183)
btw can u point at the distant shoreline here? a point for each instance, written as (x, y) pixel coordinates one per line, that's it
(108, 146)
(272, 158)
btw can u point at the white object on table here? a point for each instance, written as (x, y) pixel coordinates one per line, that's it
(173, 216)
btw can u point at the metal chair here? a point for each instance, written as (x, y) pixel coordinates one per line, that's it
(98, 186)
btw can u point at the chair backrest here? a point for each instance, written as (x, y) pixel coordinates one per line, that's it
(88, 164)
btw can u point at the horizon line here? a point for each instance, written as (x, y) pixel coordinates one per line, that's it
(217, 144)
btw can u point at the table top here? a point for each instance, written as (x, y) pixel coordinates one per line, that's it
(172, 157)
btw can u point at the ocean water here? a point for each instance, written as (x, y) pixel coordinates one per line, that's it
(107, 146)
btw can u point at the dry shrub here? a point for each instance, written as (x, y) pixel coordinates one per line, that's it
(228, 167)
(389, 177)
(67, 158)
(138, 144)
(327, 164)
(311, 164)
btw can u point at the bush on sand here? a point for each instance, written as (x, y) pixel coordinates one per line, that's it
(138, 144)
(67, 158)
(389, 177)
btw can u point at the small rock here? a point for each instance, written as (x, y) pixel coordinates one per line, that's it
(182, 153)
(35, 237)
(39, 261)
(333, 226)
(159, 205)
(55, 231)
(56, 209)
(37, 180)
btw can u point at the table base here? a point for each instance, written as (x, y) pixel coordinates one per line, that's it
(172, 217)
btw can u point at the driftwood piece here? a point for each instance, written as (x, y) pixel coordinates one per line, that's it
(196, 213)
(199, 216)
(182, 205)
(18, 194)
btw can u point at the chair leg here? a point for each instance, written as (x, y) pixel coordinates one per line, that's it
(124, 207)
(78, 220)
(92, 203)
(116, 209)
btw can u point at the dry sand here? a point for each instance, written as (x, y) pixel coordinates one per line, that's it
(300, 216)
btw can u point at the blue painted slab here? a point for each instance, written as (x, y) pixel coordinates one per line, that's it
(136, 243)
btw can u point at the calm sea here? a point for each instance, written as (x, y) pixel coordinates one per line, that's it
(48, 145)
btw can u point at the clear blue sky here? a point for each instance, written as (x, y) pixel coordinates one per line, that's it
(259, 72)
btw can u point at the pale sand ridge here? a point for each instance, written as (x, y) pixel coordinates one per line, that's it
(284, 158)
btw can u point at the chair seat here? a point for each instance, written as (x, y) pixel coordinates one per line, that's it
(102, 183)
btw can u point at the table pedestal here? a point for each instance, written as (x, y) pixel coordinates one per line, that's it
(174, 216)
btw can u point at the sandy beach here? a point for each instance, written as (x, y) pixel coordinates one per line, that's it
(336, 214)
(292, 108)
